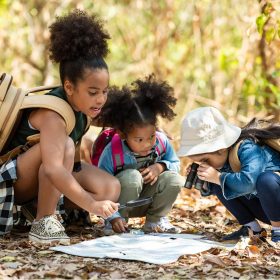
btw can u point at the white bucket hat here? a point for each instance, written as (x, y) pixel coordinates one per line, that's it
(205, 130)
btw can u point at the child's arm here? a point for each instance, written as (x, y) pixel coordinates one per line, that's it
(170, 159)
(106, 160)
(252, 159)
(53, 139)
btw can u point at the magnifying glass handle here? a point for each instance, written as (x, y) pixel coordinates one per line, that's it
(136, 203)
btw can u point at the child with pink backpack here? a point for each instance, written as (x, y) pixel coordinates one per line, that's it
(141, 157)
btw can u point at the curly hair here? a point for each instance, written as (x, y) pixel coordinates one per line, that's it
(139, 104)
(78, 41)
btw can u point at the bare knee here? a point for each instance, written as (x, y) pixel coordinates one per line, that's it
(112, 189)
(99, 183)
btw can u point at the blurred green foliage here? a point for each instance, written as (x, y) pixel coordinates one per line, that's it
(223, 53)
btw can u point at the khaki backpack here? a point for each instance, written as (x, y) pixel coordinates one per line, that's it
(14, 100)
(233, 159)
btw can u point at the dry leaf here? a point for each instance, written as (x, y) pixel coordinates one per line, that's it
(192, 213)
(116, 275)
(7, 259)
(233, 273)
(161, 269)
(206, 268)
(253, 251)
(214, 259)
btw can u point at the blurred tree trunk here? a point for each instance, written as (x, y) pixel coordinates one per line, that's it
(212, 52)
(25, 39)
(267, 54)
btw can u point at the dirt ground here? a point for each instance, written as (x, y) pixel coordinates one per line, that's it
(250, 259)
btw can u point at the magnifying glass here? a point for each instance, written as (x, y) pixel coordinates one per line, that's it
(136, 203)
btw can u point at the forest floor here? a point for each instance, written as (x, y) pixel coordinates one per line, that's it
(20, 259)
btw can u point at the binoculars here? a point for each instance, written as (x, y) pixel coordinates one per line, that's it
(193, 180)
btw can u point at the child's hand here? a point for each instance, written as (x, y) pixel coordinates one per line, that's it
(151, 173)
(105, 208)
(119, 225)
(207, 173)
(188, 169)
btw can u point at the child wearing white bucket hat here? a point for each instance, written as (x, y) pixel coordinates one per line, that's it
(250, 190)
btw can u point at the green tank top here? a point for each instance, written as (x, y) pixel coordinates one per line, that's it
(24, 130)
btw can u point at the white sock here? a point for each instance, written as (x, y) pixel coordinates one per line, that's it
(254, 226)
(276, 228)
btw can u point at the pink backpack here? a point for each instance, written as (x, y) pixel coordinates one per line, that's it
(110, 135)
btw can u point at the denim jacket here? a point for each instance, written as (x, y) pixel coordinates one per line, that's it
(169, 158)
(254, 160)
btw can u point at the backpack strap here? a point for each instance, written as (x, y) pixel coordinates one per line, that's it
(273, 143)
(161, 149)
(44, 88)
(117, 153)
(41, 88)
(5, 82)
(39, 101)
(89, 120)
(233, 159)
(53, 103)
(58, 105)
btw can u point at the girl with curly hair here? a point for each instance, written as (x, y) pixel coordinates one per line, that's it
(150, 166)
(78, 43)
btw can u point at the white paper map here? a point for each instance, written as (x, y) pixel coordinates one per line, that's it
(150, 248)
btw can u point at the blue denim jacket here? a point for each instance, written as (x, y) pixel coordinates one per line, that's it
(169, 158)
(254, 160)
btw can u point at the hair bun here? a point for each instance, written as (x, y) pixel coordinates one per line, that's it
(155, 94)
(78, 35)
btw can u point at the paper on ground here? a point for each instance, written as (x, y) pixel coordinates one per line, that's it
(150, 248)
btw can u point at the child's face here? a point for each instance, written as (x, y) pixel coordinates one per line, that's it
(141, 139)
(215, 159)
(90, 94)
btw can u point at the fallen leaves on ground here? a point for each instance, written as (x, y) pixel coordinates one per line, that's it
(20, 259)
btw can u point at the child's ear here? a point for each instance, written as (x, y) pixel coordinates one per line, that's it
(68, 87)
(222, 151)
